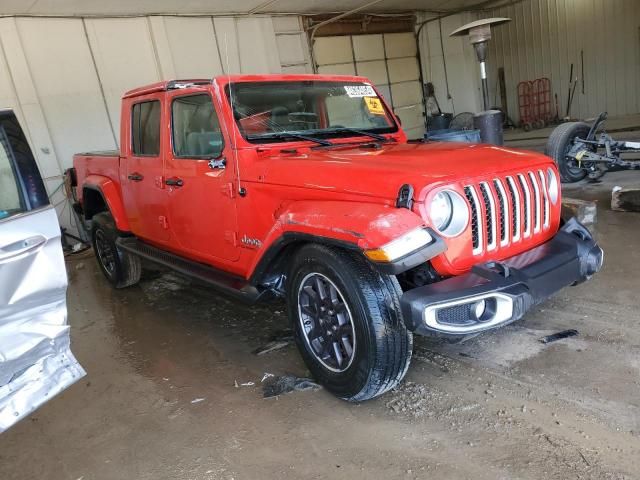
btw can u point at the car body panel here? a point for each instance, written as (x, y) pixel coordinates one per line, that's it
(110, 191)
(36, 362)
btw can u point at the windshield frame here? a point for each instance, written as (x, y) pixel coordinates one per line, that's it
(321, 134)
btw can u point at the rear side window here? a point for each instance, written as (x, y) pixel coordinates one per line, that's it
(10, 198)
(195, 127)
(145, 128)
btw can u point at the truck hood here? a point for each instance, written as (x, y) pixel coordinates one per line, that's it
(381, 172)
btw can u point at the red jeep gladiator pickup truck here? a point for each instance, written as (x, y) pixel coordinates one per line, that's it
(305, 187)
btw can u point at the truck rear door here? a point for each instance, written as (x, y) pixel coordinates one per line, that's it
(35, 360)
(141, 168)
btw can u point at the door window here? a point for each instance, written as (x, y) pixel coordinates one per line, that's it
(195, 127)
(145, 130)
(10, 198)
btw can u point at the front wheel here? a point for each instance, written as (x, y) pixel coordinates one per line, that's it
(347, 323)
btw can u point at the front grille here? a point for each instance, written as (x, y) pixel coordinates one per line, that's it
(507, 209)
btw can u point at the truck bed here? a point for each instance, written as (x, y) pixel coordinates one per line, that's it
(99, 153)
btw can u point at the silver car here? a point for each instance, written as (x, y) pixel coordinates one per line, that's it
(35, 360)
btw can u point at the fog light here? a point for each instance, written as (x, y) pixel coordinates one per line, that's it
(479, 308)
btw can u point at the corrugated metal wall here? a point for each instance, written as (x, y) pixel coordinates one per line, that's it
(546, 36)
(64, 76)
(542, 40)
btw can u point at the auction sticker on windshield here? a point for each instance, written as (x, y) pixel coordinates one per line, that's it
(374, 105)
(360, 91)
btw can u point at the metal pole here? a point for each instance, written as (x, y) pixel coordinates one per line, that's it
(485, 86)
(481, 54)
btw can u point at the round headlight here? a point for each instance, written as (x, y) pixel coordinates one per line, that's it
(441, 210)
(448, 212)
(552, 186)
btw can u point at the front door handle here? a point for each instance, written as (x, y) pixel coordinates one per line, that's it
(135, 177)
(174, 182)
(21, 247)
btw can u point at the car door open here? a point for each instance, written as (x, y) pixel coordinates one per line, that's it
(36, 362)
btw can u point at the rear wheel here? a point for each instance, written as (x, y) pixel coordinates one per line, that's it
(121, 268)
(347, 323)
(562, 139)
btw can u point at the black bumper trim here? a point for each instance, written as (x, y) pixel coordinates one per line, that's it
(569, 258)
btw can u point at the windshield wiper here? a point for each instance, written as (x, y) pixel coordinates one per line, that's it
(380, 138)
(285, 135)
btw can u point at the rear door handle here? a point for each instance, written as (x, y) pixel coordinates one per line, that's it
(174, 182)
(135, 177)
(21, 247)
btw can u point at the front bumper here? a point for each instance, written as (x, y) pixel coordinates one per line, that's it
(497, 293)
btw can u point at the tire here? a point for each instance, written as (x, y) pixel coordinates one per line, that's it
(121, 268)
(559, 144)
(368, 316)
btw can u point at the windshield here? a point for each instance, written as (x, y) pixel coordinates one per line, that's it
(267, 111)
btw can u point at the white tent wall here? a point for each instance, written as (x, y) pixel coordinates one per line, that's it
(462, 74)
(64, 77)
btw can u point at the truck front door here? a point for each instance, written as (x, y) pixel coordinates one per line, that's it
(201, 207)
(141, 170)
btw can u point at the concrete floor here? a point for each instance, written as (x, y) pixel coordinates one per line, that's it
(498, 406)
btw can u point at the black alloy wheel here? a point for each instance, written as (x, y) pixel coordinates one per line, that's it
(105, 253)
(326, 322)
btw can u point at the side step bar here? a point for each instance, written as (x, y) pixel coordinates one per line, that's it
(232, 285)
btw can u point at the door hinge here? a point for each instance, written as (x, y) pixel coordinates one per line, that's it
(231, 237)
(163, 222)
(227, 189)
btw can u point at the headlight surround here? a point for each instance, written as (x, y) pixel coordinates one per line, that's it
(553, 188)
(401, 246)
(448, 212)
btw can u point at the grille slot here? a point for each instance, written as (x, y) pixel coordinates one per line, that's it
(515, 208)
(472, 198)
(504, 210)
(536, 203)
(526, 201)
(545, 203)
(490, 215)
